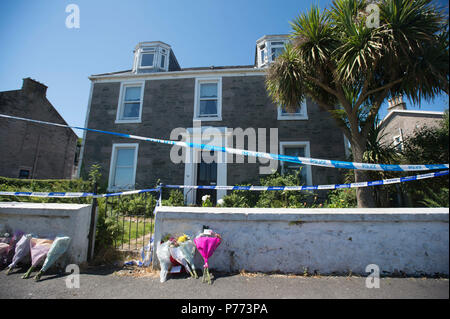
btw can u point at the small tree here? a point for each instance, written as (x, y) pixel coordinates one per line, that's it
(348, 67)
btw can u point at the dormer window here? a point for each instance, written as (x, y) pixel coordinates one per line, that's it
(151, 57)
(269, 48)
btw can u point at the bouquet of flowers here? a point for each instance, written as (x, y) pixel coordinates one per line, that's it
(206, 243)
(22, 250)
(187, 250)
(39, 248)
(5, 241)
(163, 254)
(179, 250)
(7, 245)
(4, 247)
(59, 247)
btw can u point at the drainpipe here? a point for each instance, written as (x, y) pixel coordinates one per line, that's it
(36, 155)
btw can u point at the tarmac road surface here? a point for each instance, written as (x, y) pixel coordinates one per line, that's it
(106, 283)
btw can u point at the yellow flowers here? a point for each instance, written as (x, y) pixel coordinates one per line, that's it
(182, 239)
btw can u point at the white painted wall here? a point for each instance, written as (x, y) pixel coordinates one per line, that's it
(51, 219)
(412, 240)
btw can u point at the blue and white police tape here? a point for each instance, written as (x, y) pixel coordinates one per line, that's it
(234, 188)
(316, 187)
(278, 157)
(77, 195)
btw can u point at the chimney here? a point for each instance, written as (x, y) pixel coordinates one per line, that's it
(396, 103)
(31, 86)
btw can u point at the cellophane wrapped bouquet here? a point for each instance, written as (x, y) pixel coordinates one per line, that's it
(39, 248)
(182, 250)
(206, 243)
(7, 246)
(163, 254)
(22, 250)
(57, 249)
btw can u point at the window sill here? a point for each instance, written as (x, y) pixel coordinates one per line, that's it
(119, 189)
(292, 117)
(207, 119)
(128, 121)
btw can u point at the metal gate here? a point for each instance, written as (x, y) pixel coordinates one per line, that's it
(133, 219)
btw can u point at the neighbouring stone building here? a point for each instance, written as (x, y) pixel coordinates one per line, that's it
(30, 150)
(400, 122)
(157, 96)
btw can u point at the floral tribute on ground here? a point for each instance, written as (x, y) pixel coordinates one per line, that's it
(179, 251)
(206, 243)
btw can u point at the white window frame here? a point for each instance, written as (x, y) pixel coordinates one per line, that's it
(155, 52)
(198, 82)
(158, 53)
(398, 146)
(120, 105)
(262, 49)
(304, 144)
(303, 115)
(166, 60)
(112, 166)
(275, 46)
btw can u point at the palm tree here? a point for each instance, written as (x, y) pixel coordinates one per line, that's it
(349, 68)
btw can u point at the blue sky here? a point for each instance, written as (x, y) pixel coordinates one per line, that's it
(36, 43)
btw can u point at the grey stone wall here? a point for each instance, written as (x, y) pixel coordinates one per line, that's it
(46, 151)
(170, 103)
(408, 123)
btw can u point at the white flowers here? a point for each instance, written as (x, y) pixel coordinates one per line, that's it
(220, 202)
(205, 198)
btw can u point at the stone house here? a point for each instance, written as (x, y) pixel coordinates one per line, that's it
(400, 122)
(157, 98)
(31, 150)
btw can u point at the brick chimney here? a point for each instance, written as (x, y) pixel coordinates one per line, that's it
(396, 103)
(31, 86)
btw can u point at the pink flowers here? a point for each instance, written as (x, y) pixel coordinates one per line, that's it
(206, 243)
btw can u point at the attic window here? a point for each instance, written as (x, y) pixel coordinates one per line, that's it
(268, 49)
(262, 53)
(276, 49)
(163, 58)
(147, 57)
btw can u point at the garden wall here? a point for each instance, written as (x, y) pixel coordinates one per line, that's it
(51, 219)
(414, 241)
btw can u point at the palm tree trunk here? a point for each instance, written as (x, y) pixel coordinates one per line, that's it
(364, 195)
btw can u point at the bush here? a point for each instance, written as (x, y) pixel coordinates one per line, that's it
(236, 199)
(107, 230)
(342, 198)
(272, 199)
(176, 198)
(50, 185)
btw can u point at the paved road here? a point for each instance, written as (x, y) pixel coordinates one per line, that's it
(104, 283)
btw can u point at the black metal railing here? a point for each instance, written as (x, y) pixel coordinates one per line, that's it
(133, 219)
